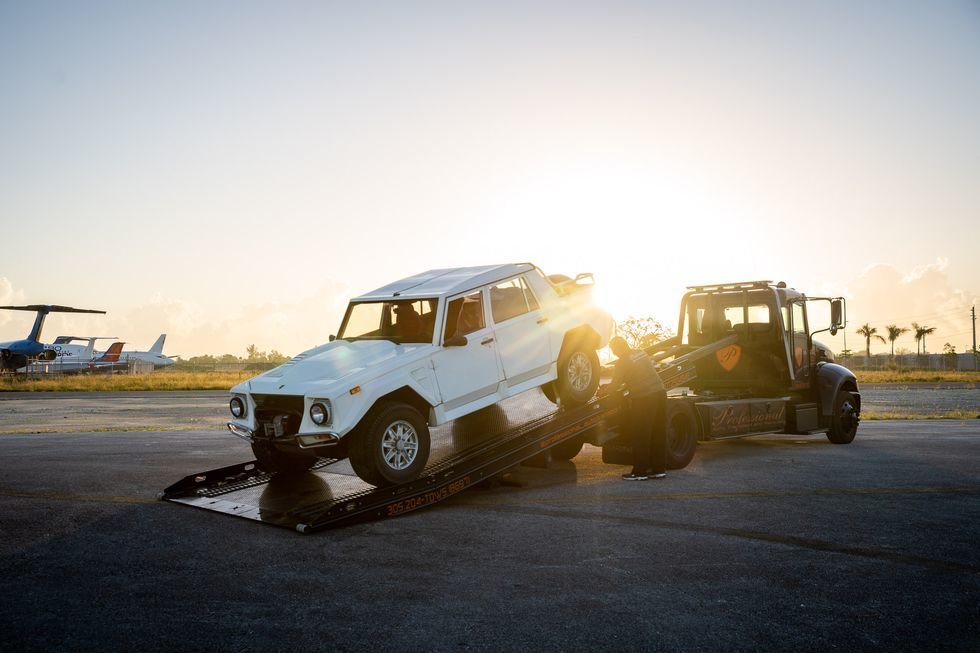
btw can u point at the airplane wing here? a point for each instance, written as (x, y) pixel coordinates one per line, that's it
(50, 308)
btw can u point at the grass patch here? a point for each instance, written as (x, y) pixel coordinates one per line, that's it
(916, 376)
(951, 414)
(165, 380)
(182, 380)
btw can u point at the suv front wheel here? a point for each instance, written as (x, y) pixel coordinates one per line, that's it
(391, 446)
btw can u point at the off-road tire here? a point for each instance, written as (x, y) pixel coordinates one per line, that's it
(549, 391)
(391, 445)
(273, 460)
(578, 376)
(682, 434)
(844, 420)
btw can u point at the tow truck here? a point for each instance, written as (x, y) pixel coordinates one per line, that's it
(743, 362)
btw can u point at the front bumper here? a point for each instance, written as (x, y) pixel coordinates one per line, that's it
(302, 440)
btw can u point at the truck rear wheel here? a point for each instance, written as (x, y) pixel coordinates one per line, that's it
(391, 445)
(273, 460)
(844, 420)
(568, 449)
(578, 376)
(682, 434)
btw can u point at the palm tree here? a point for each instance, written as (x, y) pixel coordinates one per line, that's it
(918, 336)
(869, 332)
(894, 333)
(924, 330)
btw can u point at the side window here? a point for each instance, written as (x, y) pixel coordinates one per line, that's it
(464, 315)
(799, 320)
(414, 320)
(799, 335)
(510, 299)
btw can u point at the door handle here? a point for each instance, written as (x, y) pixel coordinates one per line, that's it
(542, 320)
(486, 341)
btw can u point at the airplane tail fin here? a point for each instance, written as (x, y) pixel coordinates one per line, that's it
(157, 347)
(111, 354)
(42, 311)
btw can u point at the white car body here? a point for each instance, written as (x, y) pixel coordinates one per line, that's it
(519, 322)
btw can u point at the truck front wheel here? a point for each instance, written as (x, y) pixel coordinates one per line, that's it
(391, 445)
(682, 434)
(844, 420)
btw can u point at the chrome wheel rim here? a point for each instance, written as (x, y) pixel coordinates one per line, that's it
(579, 372)
(399, 445)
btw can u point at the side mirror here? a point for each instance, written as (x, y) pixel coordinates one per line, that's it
(836, 312)
(332, 337)
(456, 341)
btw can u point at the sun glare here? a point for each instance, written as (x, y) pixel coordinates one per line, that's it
(630, 225)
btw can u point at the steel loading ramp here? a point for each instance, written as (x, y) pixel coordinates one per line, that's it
(464, 452)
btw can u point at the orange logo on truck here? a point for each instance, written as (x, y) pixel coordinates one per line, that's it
(728, 357)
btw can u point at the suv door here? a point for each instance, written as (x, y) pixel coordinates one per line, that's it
(523, 340)
(468, 373)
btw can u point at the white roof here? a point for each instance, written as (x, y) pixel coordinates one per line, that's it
(447, 281)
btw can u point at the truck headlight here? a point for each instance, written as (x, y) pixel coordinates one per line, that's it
(237, 407)
(319, 413)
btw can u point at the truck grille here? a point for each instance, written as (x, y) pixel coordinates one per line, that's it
(278, 416)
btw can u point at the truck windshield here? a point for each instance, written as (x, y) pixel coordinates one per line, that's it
(406, 321)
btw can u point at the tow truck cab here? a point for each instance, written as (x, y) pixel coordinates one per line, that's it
(772, 357)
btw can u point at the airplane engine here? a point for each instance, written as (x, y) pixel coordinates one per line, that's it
(48, 355)
(11, 361)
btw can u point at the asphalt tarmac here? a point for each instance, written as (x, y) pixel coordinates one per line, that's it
(766, 543)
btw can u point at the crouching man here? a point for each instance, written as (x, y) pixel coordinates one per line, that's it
(644, 418)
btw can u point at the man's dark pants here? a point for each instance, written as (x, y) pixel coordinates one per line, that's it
(648, 432)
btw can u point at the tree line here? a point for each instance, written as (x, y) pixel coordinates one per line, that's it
(894, 333)
(253, 356)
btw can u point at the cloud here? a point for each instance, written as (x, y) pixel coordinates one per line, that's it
(288, 327)
(884, 295)
(9, 297)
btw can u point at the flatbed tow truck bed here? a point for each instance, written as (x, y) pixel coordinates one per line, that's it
(465, 452)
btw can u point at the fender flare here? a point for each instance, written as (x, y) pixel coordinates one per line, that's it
(831, 379)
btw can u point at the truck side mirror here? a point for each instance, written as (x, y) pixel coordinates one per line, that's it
(332, 337)
(836, 311)
(836, 315)
(455, 341)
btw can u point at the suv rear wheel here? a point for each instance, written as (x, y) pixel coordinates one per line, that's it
(578, 376)
(391, 445)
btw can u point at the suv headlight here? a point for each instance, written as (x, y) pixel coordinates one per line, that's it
(320, 413)
(237, 407)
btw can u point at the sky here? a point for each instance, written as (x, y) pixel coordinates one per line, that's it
(231, 173)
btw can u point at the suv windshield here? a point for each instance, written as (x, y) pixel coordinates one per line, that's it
(405, 321)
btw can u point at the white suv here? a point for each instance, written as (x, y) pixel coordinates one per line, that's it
(418, 352)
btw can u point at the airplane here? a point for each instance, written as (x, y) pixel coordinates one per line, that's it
(155, 354)
(18, 353)
(71, 358)
(108, 360)
(66, 351)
